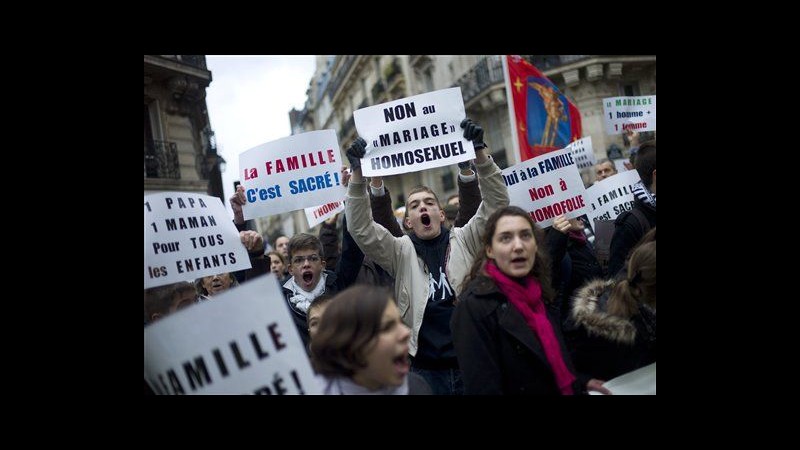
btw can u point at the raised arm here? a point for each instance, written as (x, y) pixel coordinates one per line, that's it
(494, 194)
(373, 239)
(469, 194)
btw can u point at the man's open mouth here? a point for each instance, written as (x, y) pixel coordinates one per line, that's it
(425, 219)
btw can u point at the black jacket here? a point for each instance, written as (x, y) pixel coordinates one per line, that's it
(583, 263)
(498, 353)
(627, 233)
(605, 346)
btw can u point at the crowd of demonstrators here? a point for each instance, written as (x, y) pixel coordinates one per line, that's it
(630, 226)
(361, 346)
(380, 204)
(464, 297)
(430, 262)
(507, 339)
(612, 326)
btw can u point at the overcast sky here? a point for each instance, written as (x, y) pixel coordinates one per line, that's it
(249, 100)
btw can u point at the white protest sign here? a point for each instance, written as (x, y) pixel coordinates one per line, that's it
(611, 197)
(547, 186)
(582, 152)
(291, 173)
(317, 214)
(641, 381)
(414, 133)
(637, 113)
(619, 164)
(187, 236)
(241, 342)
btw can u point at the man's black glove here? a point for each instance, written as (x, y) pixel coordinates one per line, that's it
(473, 132)
(464, 165)
(355, 152)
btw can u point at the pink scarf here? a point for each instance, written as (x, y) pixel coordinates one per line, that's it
(528, 301)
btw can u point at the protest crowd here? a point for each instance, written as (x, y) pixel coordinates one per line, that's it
(509, 288)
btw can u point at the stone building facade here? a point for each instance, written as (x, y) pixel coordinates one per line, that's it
(180, 152)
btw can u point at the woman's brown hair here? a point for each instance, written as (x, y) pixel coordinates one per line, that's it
(348, 330)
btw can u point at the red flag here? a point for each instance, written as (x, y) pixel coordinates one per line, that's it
(545, 119)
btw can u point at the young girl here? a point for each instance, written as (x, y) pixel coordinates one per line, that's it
(506, 340)
(361, 345)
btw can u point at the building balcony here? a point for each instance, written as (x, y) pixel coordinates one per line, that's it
(161, 160)
(481, 78)
(341, 75)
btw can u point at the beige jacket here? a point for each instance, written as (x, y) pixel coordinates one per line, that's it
(398, 257)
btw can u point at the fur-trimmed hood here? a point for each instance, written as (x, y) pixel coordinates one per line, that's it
(589, 311)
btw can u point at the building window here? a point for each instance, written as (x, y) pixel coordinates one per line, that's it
(630, 90)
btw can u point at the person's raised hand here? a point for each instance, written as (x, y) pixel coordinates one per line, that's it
(356, 151)
(252, 241)
(345, 173)
(236, 204)
(561, 224)
(473, 132)
(597, 386)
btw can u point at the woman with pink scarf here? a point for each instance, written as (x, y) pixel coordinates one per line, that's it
(506, 340)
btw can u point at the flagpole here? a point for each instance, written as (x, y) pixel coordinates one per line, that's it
(512, 118)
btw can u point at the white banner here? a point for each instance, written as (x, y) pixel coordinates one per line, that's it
(619, 164)
(547, 186)
(414, 133)
(241, 342)
(291, 173)
(637, 113)
(188, 236)
(317, 214)
(582, 152)
(611, 197)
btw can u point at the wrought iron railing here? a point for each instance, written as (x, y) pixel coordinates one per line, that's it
(161, 160)
(482, 76)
